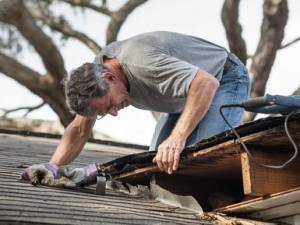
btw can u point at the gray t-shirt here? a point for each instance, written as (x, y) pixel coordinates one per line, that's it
(161, 65)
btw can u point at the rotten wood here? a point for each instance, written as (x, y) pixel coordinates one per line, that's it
(221, 219)
(224, 158)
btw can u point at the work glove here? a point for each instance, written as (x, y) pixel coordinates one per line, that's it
(46, 174)
(80, 176)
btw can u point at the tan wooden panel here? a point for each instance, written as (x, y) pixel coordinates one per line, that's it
(262, 203)
(277, 212)
(259, 181)
(295, 219)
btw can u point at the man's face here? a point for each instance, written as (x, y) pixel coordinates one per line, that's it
(116, 99)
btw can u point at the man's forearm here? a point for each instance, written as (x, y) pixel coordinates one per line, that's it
(200, 96)
(73, 140)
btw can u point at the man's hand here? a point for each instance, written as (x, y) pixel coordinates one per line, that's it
(168, 154)
(65, 176)
(46, 174)
(80, 176)
(201, 92)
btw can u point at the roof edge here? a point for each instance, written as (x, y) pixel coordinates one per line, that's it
(58, 136)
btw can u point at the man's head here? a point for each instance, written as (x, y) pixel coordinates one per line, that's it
(92, 89)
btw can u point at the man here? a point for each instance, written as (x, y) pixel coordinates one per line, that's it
(185, 78)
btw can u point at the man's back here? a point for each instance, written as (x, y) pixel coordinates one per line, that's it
(160, 66)
(196, 51)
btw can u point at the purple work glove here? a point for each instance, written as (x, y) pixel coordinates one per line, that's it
(46, 174)
(80, 176)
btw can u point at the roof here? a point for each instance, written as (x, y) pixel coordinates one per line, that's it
(22, 203)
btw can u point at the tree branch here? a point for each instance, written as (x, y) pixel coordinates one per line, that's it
(28, 108)
(88, 5)
(65, 28)
(230, 15)
(15, 13)
(272, 33)
(290, 43)
(118, 18)
(23, 74)
(43, 86)
(297, 91)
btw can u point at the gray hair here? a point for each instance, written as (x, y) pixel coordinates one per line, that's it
(84, 83)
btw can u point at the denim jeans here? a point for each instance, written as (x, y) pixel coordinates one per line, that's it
(234, 88)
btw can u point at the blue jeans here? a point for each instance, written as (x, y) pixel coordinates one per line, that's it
(234, 88)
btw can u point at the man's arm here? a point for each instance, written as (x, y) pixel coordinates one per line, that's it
(200, 95)
(73, 140)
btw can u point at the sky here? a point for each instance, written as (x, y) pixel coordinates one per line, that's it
(193, 17)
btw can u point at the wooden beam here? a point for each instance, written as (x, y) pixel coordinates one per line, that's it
(259, 181)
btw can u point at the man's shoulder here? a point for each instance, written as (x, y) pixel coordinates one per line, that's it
(155, 36)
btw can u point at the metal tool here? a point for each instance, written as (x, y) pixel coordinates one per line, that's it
(273, 104)
(269, 104)
(102, 178)
(101, 185)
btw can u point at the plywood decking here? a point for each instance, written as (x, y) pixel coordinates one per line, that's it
(22, 203)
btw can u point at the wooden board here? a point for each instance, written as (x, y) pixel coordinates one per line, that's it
(261, 203)
(259, 181)
(278, 212)
(275, 207)
(295, 219)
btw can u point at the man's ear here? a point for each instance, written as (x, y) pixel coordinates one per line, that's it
(109, 76)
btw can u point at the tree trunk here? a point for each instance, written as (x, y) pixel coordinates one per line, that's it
(48, 87)
(272, 33)
(230, 15)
